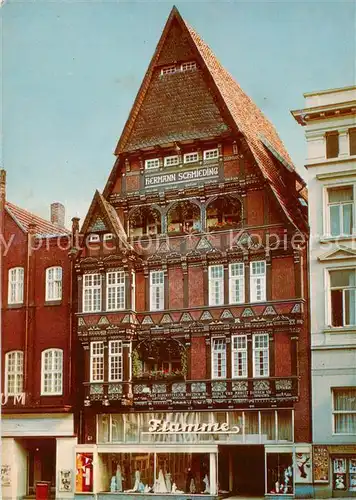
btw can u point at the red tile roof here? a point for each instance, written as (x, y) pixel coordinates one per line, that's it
(23, 219)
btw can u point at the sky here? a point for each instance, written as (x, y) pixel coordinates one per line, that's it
(71, 71)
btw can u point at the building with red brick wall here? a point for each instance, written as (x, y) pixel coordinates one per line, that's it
(193, 295)
(36, 351)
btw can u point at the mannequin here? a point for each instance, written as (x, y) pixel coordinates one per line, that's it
(207, 484)
(168, 479)
(113, 484)
(160, 483)
(118, 478)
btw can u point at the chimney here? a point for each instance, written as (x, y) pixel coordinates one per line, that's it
(2, 186)
(57, 214)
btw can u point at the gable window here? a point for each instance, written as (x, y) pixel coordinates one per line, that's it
(168, 70)
(16, 285)
(258, 281)
(190, 157)
(239, 356)
(152, 163)
(97, 362)
(340, 208)
(91, 292)
(344, 410)
(115, 290)
(169, 161)
(352, 141)
(332, 144)
(156, 290)
(108, 237)
(218, 358)
(236, 283)
(115, 361)
(94, 238)
(53, 283)
(188, 66)
(211, 154)
(216, 285)
(52, 372)
(260, 355)
(343, 297)
(13, 373)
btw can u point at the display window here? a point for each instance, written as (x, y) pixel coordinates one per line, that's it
(344, 474)
(280, 474)
(179, 473)
(84, 472)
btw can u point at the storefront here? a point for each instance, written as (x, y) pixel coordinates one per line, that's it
(335, 470)
(190, 453)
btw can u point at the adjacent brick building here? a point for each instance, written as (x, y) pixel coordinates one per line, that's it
(192, 294)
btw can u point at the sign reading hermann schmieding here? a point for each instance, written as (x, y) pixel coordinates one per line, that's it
(181, 177)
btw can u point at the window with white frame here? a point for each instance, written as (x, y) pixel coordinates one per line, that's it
(258, 281)
(115, 361)
(152, 163)
(190, 157)
(115, 290)
(168, 70)
(188, 66)
(344, 410)
(94, 238)
(156, 290)
(239, 356)
(216, 285)
(211, 154)
(52, 372)
(341, 202)
(54, 283)
(342, 297)
(13, 372)
(16, 285)
(218, 359)
(108, 237)
(97, 361)
(170, 161)
(236, 283)
(260, 355)
(91, 292)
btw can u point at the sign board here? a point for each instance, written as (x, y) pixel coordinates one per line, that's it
(181, 177)
(157, 426)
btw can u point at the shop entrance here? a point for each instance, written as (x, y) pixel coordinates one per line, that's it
(41, 459)
(242, 470)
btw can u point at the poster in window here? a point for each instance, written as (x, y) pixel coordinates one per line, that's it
(321, 464)
(352, 466)
(5, 475)
(84, 472)
(352, 486)
(339, 465)
(65, 480)
(340, 482)
(303, 468)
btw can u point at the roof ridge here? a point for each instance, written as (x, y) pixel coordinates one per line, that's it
(56, 229)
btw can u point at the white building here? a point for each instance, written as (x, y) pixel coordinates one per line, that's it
(329, 118)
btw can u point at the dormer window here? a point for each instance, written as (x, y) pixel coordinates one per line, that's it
(151, 163)
(169, 161)
(168, 70)
(94, 238)
(191, 157)
(189, 66)
(108, 237)
(211, 154)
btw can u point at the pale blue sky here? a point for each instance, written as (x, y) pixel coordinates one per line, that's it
(71, 70)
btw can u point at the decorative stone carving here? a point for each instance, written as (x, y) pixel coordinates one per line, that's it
(81, 322)
(159, 388)
(198, 387)
(226, 314)
(206, 316)
(218, 386)
(203, 244)
(166, 318)
(96, 388)
(179, 387)
(147, 320)
(269, 311)
(103, 321)
(115, 389)
(240, 385)
(247, 312)
(284, 385)
(186, 317)
(297, 309)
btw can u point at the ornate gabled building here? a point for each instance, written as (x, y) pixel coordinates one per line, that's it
(192, 294)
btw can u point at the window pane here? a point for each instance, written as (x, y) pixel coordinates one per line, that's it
(347, 219)
(251, 424)
(335, 222)
(350, 307)
(285, 425)
(345, 399)
(268, 427)
(332, 145)
(345, 423)
(342, 278)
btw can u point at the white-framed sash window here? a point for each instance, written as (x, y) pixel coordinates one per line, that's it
(218, 358)
(115, 290)
(156, 290)
(54, 283)
(152, 163)
(170, 161)
(211, 154)
(190, 157)
(52, 372)
(258, 281)
(115, 361)
(341, 208)
(260, 355)
(13, 372)
(236, 283)
(97, 361)
(91, 292)
(16, 285)
(344, 410)
(216, 285)
(239, 356)
(342, 297)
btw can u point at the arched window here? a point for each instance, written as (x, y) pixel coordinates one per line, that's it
(53, 283)
(13, 372)
(223, 213)
(16, 282)
(145, 220)
(184, 217)
(52, 372)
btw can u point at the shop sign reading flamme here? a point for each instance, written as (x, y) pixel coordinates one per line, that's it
(158, 426)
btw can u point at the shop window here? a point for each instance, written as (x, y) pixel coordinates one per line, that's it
(91, 292)
(183, 217)
(352, 141)
(239, 356)
(52, 372)
(16, 285)
(344, 410)
(218, 358)
(162, 360)
(13, 372)
(97, 361)
(53, 283)
(145, 221)
(340, 210)
(342, 297)
(84, 473)
(216, 285)
(344, 474)
(260, 355)
(280, 473)
(332, 144)
(187, 473)
(156, 290)
(237, 283)
(223, 213)
(258, 281)
(115, 290)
